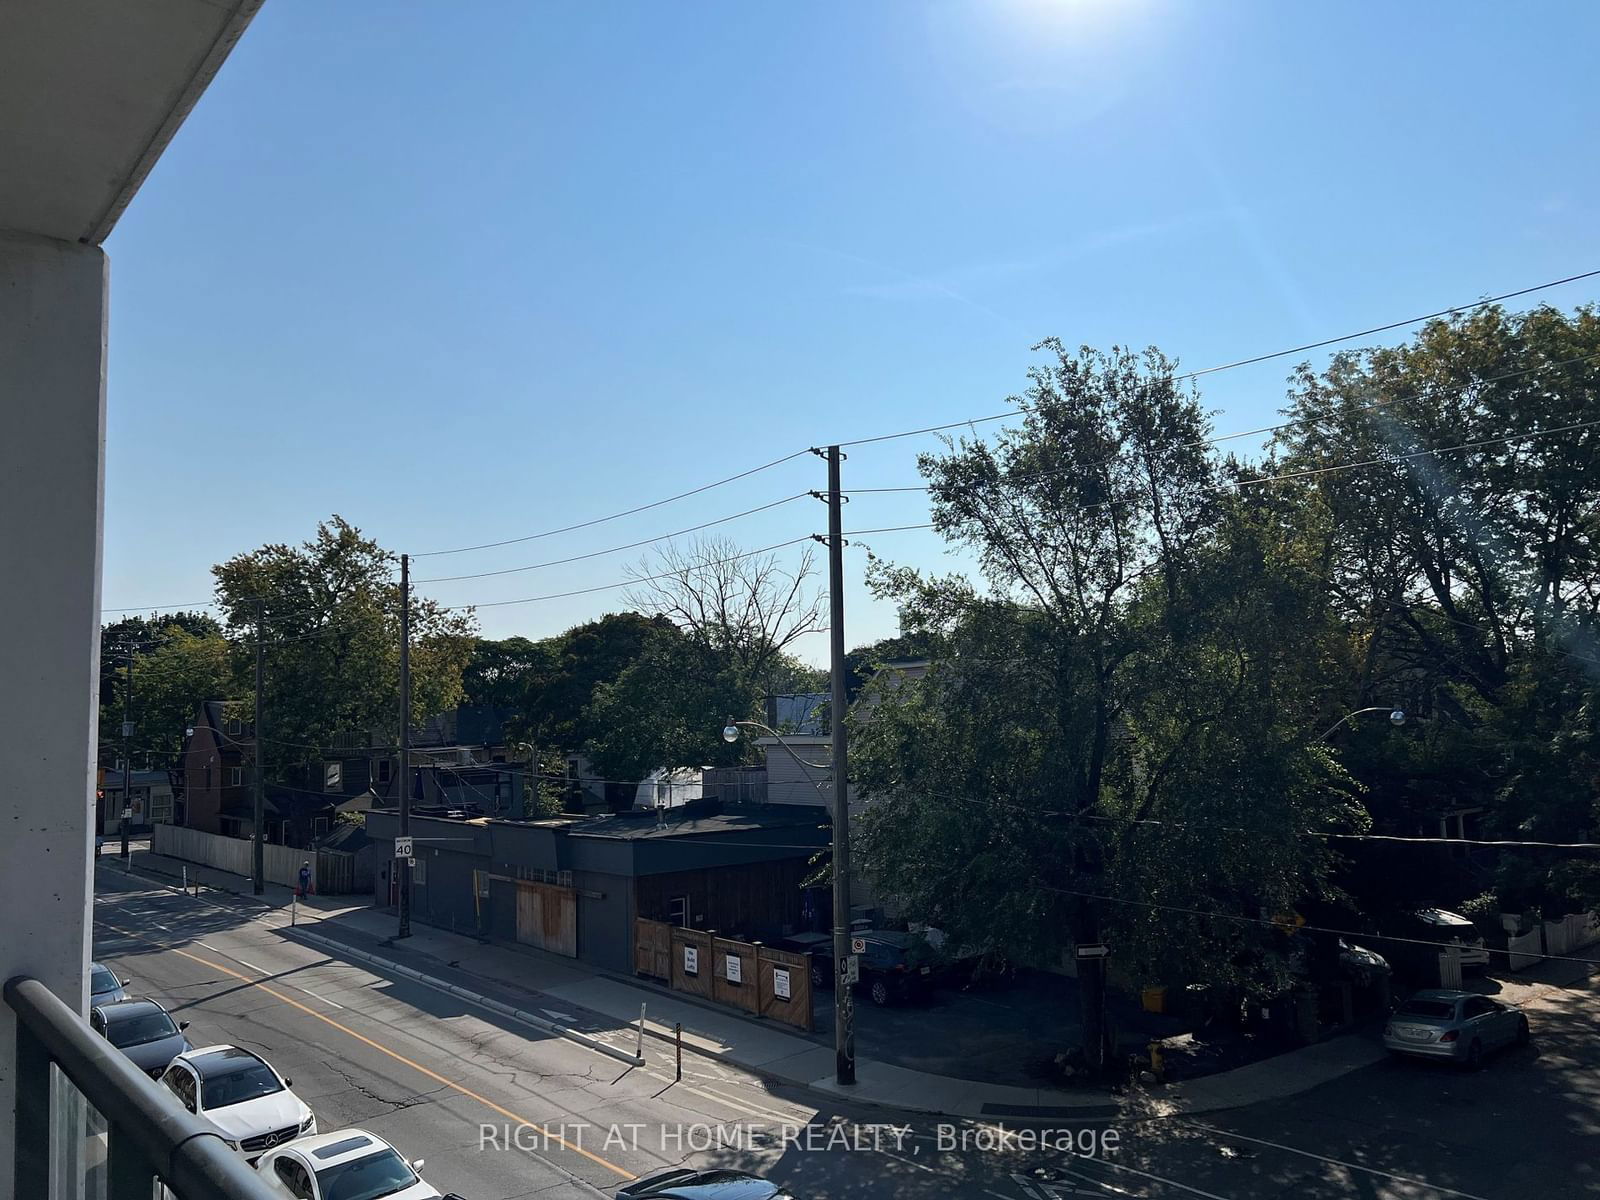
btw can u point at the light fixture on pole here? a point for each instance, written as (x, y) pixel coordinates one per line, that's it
(1397, 718)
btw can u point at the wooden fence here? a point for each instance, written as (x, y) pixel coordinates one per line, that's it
(745, 975)
(333, 871)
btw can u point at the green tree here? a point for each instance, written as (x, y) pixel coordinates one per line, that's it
(1109, 706)
(1463, 560)
(330, 612)
(180, 665)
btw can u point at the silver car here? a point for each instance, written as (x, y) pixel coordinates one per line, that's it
(1459, 1027)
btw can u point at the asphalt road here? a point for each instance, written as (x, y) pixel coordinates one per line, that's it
(500, 1111)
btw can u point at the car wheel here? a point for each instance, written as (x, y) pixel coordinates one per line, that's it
(1475, 1056)
(879, 992)
(1522, 1031)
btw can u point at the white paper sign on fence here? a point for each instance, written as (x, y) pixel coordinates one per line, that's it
(691, 960)
(780, 983)
(733, 969)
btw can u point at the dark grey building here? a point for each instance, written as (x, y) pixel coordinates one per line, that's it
(573, 886)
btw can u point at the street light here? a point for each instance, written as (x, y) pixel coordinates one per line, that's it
(844, 1038)
(1397, 718)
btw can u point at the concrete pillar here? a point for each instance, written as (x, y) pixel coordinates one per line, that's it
(52, 456)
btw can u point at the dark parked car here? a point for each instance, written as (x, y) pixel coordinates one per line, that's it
(894, 967)
(105, 987)
(143, 1031)
(683, 1184)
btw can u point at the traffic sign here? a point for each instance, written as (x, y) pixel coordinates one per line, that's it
(858, 945)
(850, 970)
(1093, 950)
(402, 847)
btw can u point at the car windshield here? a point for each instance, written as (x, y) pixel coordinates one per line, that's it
(102, 981)
(368, 1178)
(139, 1028)
(234, 1084)
(1435, 1009)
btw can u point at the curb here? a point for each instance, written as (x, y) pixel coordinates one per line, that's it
(461, 993)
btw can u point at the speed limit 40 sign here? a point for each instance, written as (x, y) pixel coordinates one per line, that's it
(403, 848)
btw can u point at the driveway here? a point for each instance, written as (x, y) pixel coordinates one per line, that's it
(1000, 1034)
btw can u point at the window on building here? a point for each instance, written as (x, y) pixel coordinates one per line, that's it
(332, 776)
(385, 770)
(235, 776)
(235, 727)
(678, 911)
(419, 872)
(161, 808)
(319, 827)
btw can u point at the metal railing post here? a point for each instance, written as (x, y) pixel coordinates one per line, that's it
(31, 1168)
(128, 1171)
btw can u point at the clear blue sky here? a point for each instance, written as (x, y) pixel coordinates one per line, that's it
(462, 272)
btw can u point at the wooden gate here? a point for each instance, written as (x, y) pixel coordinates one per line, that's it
(784, 987)
(691, 962)
(734, 971)
(652, 949)
(742, 975)
(547, 917)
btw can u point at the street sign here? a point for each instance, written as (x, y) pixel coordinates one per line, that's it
(126, 812)
(1093, 950)
(850, 970)
(858, 945)
(127, 729)
(403, 847)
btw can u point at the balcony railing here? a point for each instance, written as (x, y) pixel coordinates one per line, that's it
(136, 1134)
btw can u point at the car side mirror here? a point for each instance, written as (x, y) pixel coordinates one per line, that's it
(417, 1166)
(127, 983)
(287, 1082)
(183, 1024)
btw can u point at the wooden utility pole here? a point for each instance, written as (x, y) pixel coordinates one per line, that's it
(403, 865)
(259, 809)
(844, 1036)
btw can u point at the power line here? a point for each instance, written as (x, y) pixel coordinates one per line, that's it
(606, 587)
(1287, 476)
(1260, 358)
(705, 487)
(1269, 922)
(1382, 402)
(561, 562)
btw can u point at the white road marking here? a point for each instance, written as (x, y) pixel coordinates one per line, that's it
(908, 1162)
(1101, 1162)
(1337, 1162)
(324, 999)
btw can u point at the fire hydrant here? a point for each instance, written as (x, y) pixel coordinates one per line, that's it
(1157, 1063)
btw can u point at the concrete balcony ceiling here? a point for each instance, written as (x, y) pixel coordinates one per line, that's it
(91, 92)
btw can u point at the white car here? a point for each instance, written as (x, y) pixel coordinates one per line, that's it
(1456, 931)
(348, 1164)
(242, 1095)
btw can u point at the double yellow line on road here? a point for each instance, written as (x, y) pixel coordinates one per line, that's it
(382, 1049)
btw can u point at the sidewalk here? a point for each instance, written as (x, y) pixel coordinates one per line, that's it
(607, 1008)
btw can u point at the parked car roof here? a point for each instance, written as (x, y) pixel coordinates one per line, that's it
(701, 1185)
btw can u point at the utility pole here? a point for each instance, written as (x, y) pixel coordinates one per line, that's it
(126, 812)
(259, 809)
(403, 865)
(844, 1003)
